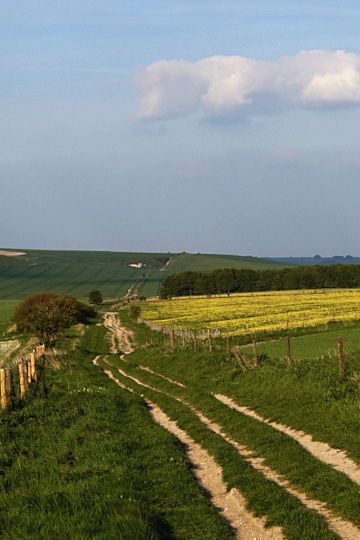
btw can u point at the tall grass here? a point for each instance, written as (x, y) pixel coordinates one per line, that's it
(88, 462)
(7, 309)
(308, 395)
(264, 497)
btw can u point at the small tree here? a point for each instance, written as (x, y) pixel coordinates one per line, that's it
(95, 297)
(135, 312)
(46, 315)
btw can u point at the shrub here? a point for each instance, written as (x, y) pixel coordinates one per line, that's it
(46, 315)
(135, 312)
(95, 297)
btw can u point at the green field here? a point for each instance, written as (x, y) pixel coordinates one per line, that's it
(315, 345)
(184, 262)
(202, 262)
(89, 462)
(7, 308)
(79, 272)
(307, 395)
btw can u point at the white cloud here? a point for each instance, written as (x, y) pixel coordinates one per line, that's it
(224, 84)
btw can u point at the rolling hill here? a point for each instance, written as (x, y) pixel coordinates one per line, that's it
(113, 273)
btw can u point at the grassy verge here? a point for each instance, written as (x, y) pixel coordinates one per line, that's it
(142, 334)
(265, 498)
(7, 309)
(88, 462)
(307, 395)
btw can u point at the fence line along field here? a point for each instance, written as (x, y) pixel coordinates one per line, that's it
(256, 312)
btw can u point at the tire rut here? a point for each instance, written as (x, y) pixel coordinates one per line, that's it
(322, 451)
(230, 504)
(345, 529)
(337, 459)
(118, 334)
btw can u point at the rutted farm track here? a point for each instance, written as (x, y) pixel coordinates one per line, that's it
(165, 396)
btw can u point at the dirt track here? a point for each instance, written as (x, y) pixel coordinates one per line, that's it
(120, 337)
(209, 474)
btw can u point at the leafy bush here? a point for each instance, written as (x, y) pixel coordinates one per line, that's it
(95, 297)
(46, 315)
(135, 312)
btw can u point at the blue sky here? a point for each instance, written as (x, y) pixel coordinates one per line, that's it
(208, 127)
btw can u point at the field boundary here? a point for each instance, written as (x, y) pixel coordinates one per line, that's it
(15, 385)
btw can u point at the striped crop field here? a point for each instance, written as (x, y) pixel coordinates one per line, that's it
(75, 272)
(256, 312)
(113, 273)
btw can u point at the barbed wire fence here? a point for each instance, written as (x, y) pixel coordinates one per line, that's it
(15, 383)
(212, 341)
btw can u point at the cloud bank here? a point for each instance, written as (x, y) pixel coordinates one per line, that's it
(222, 85)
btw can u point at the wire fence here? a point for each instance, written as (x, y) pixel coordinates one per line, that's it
(15, 383)
(211, 342)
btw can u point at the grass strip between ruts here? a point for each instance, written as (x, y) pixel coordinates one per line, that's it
(264, 496)
(281, 452)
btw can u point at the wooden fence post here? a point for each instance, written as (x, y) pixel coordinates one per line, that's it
(3, 389)
(183, 337)
(25, 375)
(195, 341)
(210, 343)
(22, 380)
(341, 356)
(288, 350)
(32, 366)
(9, 382)
(29, 372)
(255, 354)
(173, 338)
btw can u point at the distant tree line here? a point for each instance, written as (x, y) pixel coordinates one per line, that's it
(231, 280)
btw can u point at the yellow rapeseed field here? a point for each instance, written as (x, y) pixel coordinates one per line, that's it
(256, 312)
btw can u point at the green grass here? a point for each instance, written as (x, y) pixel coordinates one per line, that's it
(206, 263)
(152, 285)
(74, 272)
(88, 462)
(7, 309)
(79, 272)
(321, 343)
(142, 333)
(264, 496)
(308, 395)
(12, 261)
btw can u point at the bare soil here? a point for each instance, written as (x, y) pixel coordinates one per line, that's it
(232, 504)
(120, 337)
(337, 459)
(145, 368)
(343, 528)
(11, 253)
